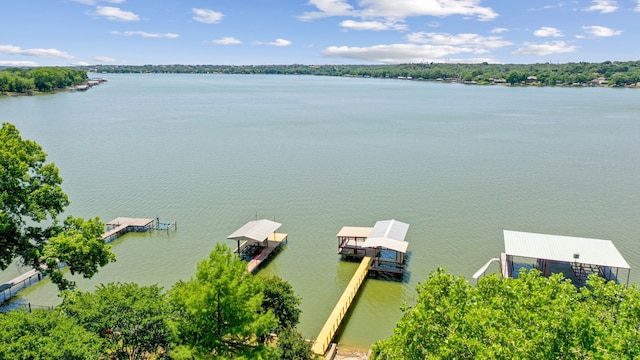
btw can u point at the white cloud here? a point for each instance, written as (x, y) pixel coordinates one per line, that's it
(400, 9)
(207, 16)
(81, 63)
(499, 30)
(227, 41)
(18, 63)
(553, 47)
(280, 42)
(94, 2)
(145, 34)
(547, 32)
(600, 31)
(16, 50)
(637, 7)
(105, 59)
(603, 6)
(328, 8)
(114, 13)
(475, 41)
(396, 53)
(372, 25)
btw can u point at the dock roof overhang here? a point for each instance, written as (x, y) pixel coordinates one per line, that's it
(354, 232)
(257, 230)
(388, 234)
(562, 249)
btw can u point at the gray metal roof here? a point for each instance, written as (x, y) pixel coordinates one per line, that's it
(562, 248)
(257, 230)
(388, 234)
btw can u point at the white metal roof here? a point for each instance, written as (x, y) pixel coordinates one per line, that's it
(388, 234)
(258, 230)
(562, 248)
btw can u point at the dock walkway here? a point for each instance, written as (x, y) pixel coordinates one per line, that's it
(114, 229)
(340, 310)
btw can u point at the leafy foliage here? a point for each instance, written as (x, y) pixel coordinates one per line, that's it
(532, 317)
(31, 198)
(133, 320)
(293, 346)
(219, 311)
(44, 335)
(43, 79)
(280, 298)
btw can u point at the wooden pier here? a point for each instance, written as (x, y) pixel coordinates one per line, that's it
(330, 327)
(275, 240)
(114, 229)
(12, 287)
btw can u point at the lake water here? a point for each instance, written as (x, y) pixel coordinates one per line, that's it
(458, 163)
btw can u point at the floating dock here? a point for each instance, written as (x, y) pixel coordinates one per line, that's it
(257, 241)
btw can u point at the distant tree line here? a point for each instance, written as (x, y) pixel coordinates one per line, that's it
(41, 79)
(608, 73)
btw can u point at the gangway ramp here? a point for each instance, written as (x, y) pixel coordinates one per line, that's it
(330, 327)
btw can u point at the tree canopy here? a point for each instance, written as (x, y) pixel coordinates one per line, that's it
(133, 320)
(532, 317)
(31, 199)
(219, 310)
(43, 79)
(44, 335)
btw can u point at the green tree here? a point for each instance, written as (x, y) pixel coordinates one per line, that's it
(133, 320)
(293, 346)
(532, 317)
(280, 298)
(44, 335)
(31, 198)
(219, 311)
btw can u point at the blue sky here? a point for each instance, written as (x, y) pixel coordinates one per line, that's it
(259, 32)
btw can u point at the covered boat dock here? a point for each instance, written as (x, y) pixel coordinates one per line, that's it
(257, 240)
(575, 257)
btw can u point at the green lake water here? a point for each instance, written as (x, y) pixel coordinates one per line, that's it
(458, 163)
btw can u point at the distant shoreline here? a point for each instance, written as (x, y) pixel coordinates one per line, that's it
(606, 74)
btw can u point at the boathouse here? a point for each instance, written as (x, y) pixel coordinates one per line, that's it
(384, 243)
(256, 241)
(575, 257)
(387, 240)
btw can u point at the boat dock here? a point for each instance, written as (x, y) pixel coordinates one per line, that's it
(114, 229)
(257, 241)
(332, 324)
(381, 250)
(12, 287)
(122, 225)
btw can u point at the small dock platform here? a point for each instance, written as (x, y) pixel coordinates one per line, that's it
(257, 242)
(114, 229)
(332, 324)
(122, 225)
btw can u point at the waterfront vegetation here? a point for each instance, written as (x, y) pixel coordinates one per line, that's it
(223, 313)
(31, 199)
(532, 317)
(40, 79)
(608, 73)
